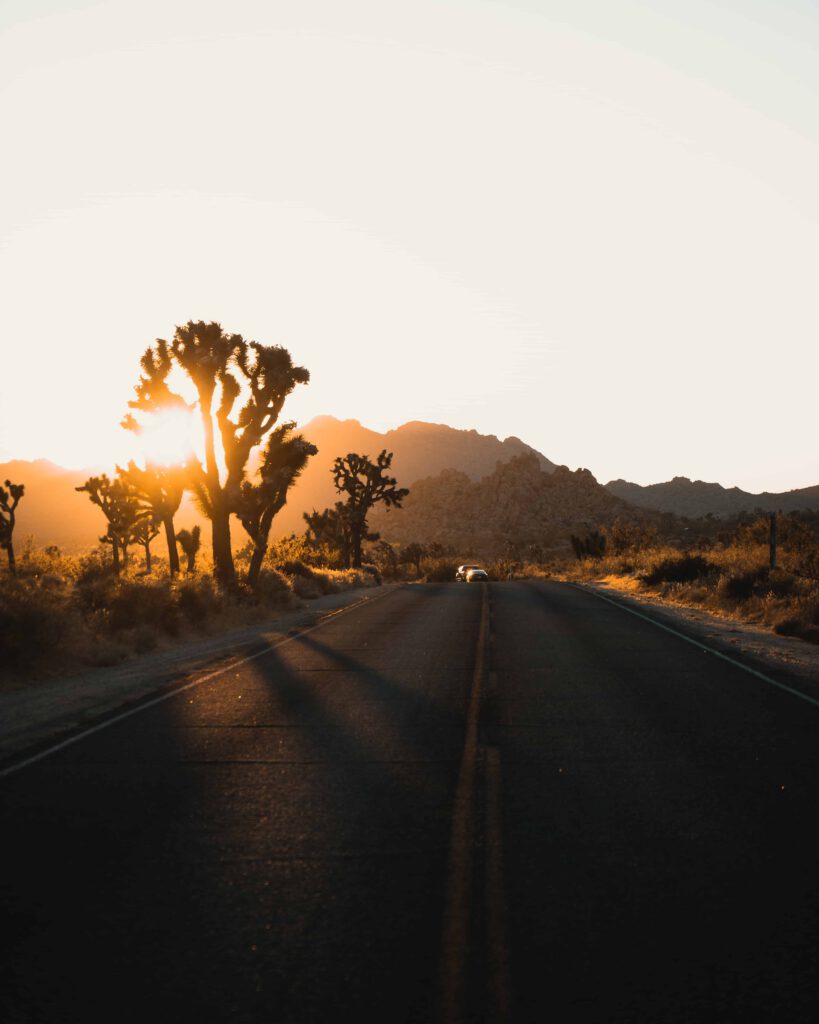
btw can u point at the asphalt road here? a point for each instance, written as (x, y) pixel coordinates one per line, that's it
(512, 802)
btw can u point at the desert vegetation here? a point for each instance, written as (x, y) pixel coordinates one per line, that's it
(725, 567)
(9, 500)
(60, 613)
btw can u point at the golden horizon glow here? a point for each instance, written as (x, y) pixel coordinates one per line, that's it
(588, 225)
(170, 437)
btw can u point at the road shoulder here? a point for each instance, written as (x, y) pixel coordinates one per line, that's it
(760, 649)
(39, 713)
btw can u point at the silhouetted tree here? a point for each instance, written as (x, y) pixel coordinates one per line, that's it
(146, 530)
(284, 459)
(413, 554)
(190, 541)
(329, 530)
(9, 500)
(160, 488)
(591, 546)
(366, 484)
(120, 506)
(385, 557)
(219, 365)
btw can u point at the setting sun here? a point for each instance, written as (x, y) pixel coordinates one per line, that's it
(168, 437)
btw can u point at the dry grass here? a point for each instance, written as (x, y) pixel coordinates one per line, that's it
(63, 614)
(734, 581)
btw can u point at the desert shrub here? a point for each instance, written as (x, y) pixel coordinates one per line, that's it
(94, 592)
(33, 623)
(624, 535)
(142, 603)
(372, 574)
(680, 569)
(743, 584)
(307, 587)
(93, 565)
(144, 639)
(197, 599)
(441, 570)
(272, 588)
(296, 547)
(295, 567)
(795, 625)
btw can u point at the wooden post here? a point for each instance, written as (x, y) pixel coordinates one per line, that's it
(773, 540)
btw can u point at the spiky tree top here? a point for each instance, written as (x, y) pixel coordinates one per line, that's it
(119, 504)
(366, 483)
(190, 540)
(9, 500)
(160, 487)
(219, 365)
(285, 457)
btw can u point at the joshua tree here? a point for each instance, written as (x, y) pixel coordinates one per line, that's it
(161, 489)
(330, 530)
(385, 557)
(190, 542)
(592, 546)
(146, 530)
(365, 483)
(9, 500)
(218, 365)
(121, 507)
(285, 457)
(413, 553)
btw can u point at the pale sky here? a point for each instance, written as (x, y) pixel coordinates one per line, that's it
(591, 224)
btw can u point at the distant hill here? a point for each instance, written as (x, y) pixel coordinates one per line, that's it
(54, 513)
(441, 465)
(516, 505)
(51, 509)
(695, 498)
(420, 450)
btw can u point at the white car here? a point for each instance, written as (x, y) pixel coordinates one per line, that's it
(477, 576)
(462, 570)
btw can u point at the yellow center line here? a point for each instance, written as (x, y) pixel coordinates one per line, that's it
(496, 937)
(457, 913)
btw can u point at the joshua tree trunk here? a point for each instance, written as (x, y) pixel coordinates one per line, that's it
(173, 552)
(12, 563)
(357, 549)
(115, 550)
(260, 542)
(147, 556)
(222, 554)
(256, 559)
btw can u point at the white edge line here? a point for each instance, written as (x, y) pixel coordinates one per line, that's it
(698, 643)
(12, 768)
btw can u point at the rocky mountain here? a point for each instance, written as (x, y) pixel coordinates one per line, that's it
(694, 498)
(420, 450)
(517, 506)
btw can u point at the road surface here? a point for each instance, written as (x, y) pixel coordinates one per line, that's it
(513, 802)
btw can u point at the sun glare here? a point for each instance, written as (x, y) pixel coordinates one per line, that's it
(168, 437)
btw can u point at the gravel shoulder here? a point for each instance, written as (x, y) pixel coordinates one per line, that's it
(753, 645)
(37, 714)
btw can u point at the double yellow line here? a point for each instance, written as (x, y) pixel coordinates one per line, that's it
(476, 826)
